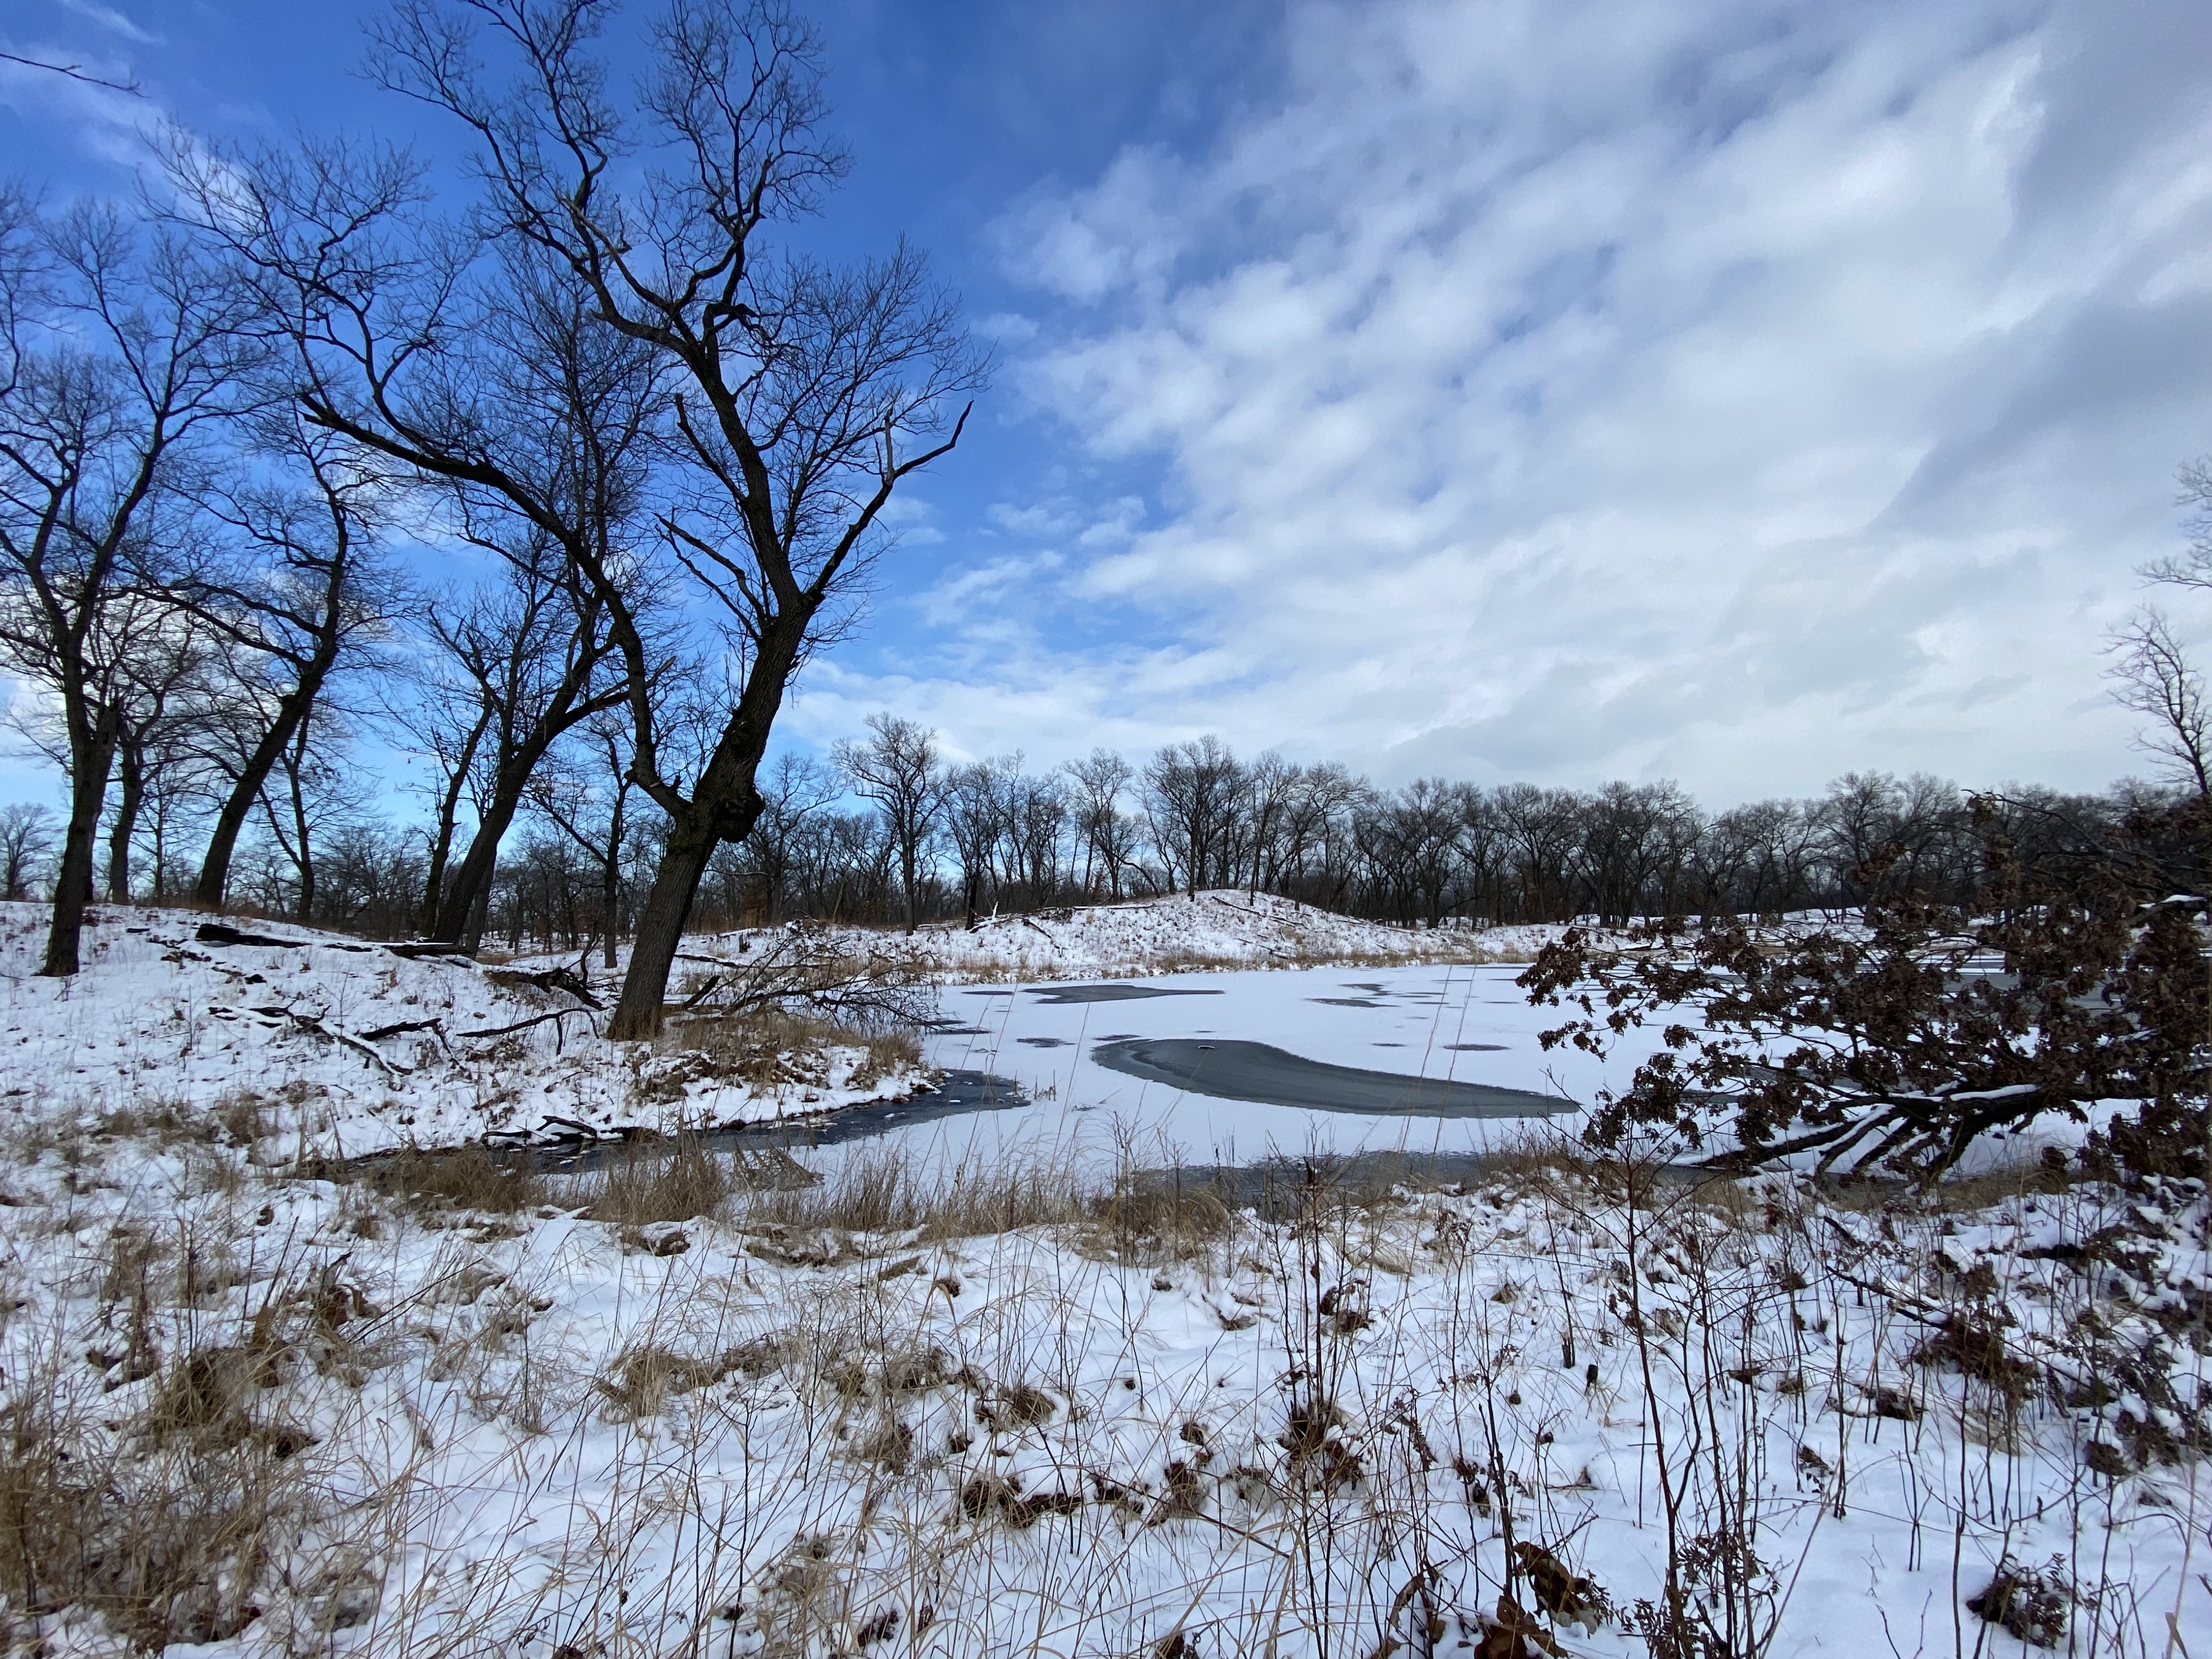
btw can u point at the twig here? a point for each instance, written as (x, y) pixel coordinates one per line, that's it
(313, 1024)
(556, 1016)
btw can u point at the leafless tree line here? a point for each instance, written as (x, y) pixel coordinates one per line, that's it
(997, 837)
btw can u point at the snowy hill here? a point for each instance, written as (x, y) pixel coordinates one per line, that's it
(1217, 929)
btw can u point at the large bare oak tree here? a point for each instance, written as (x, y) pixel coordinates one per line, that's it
(801, 394)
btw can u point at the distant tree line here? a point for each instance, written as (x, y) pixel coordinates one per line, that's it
(835, 841)
(996, 836)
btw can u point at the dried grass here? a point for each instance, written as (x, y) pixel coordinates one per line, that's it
(881, 1190)
(437, 1183)
(644, 1185)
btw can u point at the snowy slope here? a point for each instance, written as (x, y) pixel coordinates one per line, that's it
(355, 1046)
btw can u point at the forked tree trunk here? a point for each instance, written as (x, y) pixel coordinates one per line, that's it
(246, 790)
(130, 769)
(478, 914)
(449, 811)
(90, 763)
(471, 888)
(724, 806)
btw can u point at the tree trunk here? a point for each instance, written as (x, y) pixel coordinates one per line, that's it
(90, 763)
(660, 921)
(472, 883)
(306, 857)
(610, 896)
(478, 913)
(238, 805)
(131, 774)
(611, 874)
(161, 844)
(449, 811)
(724, 806)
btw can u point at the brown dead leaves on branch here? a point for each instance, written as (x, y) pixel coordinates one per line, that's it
(1894, 1039)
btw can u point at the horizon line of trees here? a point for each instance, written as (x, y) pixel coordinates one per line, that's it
(887, 833)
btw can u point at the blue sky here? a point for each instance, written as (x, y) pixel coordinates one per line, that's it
(1738, 393)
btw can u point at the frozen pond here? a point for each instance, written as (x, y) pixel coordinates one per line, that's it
(1234, 1068)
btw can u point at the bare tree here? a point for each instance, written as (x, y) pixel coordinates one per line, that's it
(589, 803)
(2194, 567)
(799, 395)
(1272, 783)
(310, 790)
(26, 839)
(1545, 829)
(155, 669)
(303, 590)
(534, 649)
(444, 715)
(1108, 834)
(122, 349)
(162, 683)
(792, 791)
(2153, 675)
(895, 767)
(1191, 791)
(804, 394)
(975, 820)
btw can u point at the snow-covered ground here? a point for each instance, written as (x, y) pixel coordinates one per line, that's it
(356, 1047)
(1223, 928)
(252, 1414)
(963, 1387)
(360, 1048)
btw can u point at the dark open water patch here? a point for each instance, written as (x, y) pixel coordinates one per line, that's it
(1043, 1043)
(1350, 1002)
(1231, 1069)
(1476, 1048)
(1062, 996)
(957, 1094)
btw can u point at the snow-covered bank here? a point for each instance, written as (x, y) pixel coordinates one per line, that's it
(261, 1416)
(1217, 929)
(350, 1046)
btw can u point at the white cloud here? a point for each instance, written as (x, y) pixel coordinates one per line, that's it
(110, 19)
(1735, 393)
